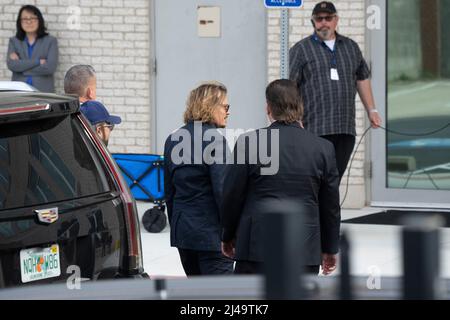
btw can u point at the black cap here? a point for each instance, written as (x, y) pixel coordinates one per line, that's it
(324, 6)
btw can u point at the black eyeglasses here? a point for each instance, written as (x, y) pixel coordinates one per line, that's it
(29, 19)
(320, 19)
(226, 106)
(109, 125)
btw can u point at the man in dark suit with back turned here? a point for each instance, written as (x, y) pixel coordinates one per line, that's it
(307, 179)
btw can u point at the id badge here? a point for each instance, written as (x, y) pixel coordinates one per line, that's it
(334, 74)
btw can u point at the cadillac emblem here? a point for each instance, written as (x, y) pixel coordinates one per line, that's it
(47, 216)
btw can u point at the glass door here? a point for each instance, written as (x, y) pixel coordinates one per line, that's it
(411, 76)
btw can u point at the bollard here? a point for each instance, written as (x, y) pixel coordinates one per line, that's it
(282, 256)
(2, 279)
(345, 286)
(160, 288)
(421, 257)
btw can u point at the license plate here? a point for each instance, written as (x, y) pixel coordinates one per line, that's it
(39, 263)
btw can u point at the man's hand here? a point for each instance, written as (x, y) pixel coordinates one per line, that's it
(43, 61)
(375, 119)
(329, 262)
(14, 56)
(228, 249)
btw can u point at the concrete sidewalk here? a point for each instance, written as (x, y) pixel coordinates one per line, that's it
(375, 249)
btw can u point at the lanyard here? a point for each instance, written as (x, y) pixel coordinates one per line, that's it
(333, 52)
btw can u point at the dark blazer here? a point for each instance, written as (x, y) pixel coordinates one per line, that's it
(193, 190)
(45, 48)
(307, 181)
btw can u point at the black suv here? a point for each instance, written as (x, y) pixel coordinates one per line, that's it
(64, 206)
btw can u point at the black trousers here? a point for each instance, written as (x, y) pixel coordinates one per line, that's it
(205, 262)
(343, 147)
(252, 267)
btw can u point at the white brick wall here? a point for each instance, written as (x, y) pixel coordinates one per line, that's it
(351, 24)
(114, 39)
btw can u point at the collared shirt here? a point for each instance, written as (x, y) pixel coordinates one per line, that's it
(329, 104)
(30, 53)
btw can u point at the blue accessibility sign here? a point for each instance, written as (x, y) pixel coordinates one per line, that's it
(283, 3)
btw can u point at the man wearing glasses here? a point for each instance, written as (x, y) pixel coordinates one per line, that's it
(329, 69)
(100, 119)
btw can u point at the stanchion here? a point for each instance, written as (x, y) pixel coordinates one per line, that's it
(421, 257)
(160, 288)
(345, 286)
(282, 254)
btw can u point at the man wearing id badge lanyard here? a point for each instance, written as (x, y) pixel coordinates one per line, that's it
(329, 70)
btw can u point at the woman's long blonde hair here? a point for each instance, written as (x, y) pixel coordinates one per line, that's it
(202, 101)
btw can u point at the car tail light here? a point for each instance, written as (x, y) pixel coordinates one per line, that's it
(135, 263)
(24, 109)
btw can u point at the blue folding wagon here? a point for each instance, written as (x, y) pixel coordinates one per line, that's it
(144, 174)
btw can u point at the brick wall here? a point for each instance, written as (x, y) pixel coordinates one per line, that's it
(351, 24)
(113, 37)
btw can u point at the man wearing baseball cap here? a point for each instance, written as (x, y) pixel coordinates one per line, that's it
(329, 69)
(100, 119)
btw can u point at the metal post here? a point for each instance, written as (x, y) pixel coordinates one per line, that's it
(282, 256)
(160, 288)
(345, 286)
(421, 257)
(284, 41)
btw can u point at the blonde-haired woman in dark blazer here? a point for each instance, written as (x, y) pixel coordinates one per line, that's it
(193, 186)
(32, 52)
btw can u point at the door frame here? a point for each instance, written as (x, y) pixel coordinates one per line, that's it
(153, 72)
(381, 196)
